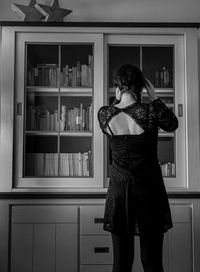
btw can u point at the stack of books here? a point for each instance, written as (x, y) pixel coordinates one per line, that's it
(79, 75)
(46, 164)
(43, 75)
(76, 119)
(73, 119)
(168, 169)
(75, 164)
(163, 78)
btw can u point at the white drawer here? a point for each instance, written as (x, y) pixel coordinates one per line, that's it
(181, 213)
(96, 250)
(96, 268)
(44, 214)
(92, 220)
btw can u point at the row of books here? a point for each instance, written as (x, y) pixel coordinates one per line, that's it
(43, 75)
(74, 119)
(47, 74)
(163, 78)
(46, 164)
(79, 75)
(168, 169)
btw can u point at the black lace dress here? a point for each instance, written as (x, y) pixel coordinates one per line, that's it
(136, 199)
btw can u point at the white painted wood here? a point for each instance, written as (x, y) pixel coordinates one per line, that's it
(196, 234)
(192, 104)
(4, 234)
(96, 268)
(0, 68)
(191, 230)
(66, 247)
(181, 213)
(91, 220)
(88, 244)
(180, 248)
(22, 247)
(106, 30)
(6, 114)
(97, 140)
(44, 248)
(44, 214)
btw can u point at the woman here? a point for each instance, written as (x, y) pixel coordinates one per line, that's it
(136, 201)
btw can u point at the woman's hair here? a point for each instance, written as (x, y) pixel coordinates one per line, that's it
(130, 79)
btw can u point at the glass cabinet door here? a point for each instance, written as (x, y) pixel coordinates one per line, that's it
(58, 135)
(157, 61)
(158, 67)
(58, 124)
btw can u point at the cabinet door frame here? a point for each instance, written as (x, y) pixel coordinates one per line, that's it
(182, 96)
(19, 40)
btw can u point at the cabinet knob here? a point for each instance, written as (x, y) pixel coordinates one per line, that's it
(180, 110)
(19, 108)
(101, 250)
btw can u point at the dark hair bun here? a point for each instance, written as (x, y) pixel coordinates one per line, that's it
(130, 79)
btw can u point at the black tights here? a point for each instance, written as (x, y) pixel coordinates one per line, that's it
(150, 251)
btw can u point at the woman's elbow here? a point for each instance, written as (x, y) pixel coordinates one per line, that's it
(173, 125)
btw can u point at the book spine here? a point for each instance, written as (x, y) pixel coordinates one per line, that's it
(67, 171)
(80, 165)
(67, 75)
(78, 73)
(90, 162)
(55, 159)
(52, 122)
(71, 169)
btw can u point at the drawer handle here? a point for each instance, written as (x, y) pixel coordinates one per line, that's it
(19, 108)
(98, 220)
(180, 110)
(101, 249)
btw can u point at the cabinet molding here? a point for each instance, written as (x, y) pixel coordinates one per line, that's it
(103, 24)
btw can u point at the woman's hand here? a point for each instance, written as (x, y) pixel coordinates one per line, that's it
(150, 90)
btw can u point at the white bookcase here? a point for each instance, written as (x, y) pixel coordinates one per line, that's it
(55, 79)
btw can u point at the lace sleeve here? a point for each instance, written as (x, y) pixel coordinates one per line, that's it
(166, 119)
(102, 117)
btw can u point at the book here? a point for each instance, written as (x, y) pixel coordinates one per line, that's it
(80, 164)
(71, 167)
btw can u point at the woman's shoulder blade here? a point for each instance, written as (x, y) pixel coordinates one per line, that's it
(103, 109)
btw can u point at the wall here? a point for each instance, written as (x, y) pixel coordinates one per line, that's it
(117, 10)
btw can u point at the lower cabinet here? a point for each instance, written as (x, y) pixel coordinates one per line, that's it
(44, 238)
(64, 237)
(96, 245)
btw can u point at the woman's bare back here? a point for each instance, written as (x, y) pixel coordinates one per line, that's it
(122, 123)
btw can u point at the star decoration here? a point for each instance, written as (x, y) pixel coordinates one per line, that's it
(53, 13)
(29, 13)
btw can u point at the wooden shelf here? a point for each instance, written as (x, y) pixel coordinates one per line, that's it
(158, 90)
(52, 91)
(62, 133)
(76, 91)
